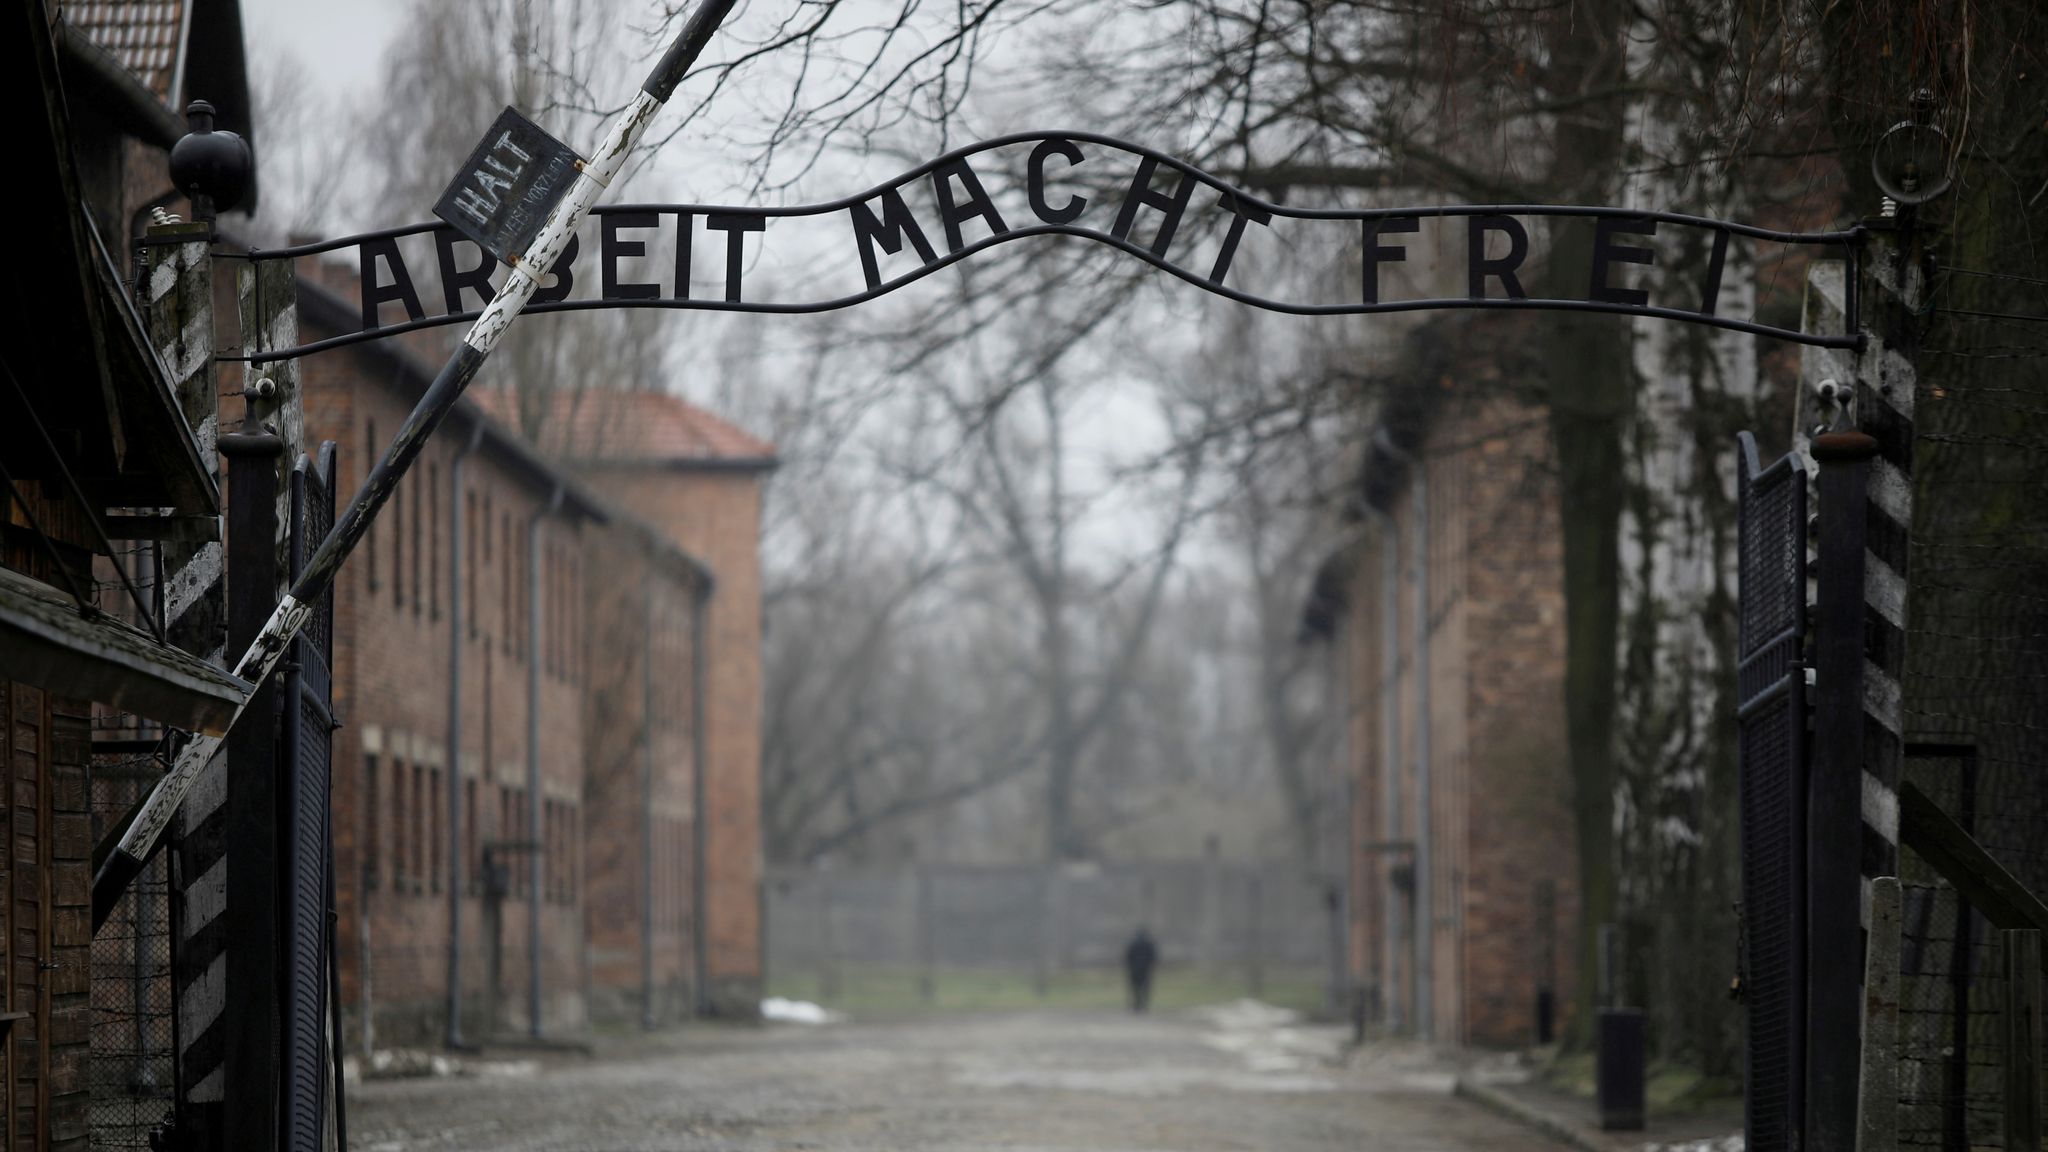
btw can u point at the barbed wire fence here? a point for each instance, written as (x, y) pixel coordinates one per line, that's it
(130, 1074)
(1976, 691)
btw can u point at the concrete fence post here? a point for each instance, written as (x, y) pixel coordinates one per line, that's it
(2021, 1026)
(177, 289)
(828, 951)
(1878, 1103)
(927, 940)
(1041, 973)
(1255, 967)
(1856, 419)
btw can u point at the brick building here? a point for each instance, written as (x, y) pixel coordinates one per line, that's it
(1501, 854)
(698, 481)
(504, 590)
(102, 455)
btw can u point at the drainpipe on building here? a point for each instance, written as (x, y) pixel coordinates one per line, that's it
(455, 561)
(647, 1019)
(700, 823)
(1418, 484)
(1390, 758)
(533, 642)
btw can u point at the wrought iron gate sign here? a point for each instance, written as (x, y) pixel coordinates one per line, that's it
(1139, 201)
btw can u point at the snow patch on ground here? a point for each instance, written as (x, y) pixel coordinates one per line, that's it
(1729, 1143)
(1247, 1013)
(775, 1009)
(410, 1063)
(1268, 1039)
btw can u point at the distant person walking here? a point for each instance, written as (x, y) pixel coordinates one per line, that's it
(1141, 956)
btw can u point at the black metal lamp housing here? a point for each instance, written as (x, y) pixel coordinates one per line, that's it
(210, 167)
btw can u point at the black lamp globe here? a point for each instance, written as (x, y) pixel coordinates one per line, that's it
(210, 167)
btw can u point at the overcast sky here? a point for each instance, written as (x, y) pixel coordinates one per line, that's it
(346, 40)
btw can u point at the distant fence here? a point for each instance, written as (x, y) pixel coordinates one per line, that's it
(1231, 920)
(1952, 1059)
(130, 1078)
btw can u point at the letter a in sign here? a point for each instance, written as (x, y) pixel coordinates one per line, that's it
(506, 189)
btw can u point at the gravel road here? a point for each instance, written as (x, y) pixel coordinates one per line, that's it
(1241, 1078)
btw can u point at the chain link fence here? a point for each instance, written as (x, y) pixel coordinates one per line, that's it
(1250, 928)
(1951, 986)
(131, 1075)
(1976, 690)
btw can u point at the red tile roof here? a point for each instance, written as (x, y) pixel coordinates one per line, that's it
(603, 425)
(142, 35)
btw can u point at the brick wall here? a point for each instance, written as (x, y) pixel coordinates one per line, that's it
(641, 949)
(1502, 846)
(393, 630)
(48, 939)
(715, 515)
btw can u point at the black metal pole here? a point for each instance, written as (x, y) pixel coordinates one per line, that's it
(1955, 1121)
(124, 861)
(1834, 853)
(247, 1115)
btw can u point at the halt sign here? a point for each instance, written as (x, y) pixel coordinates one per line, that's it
(504, 193)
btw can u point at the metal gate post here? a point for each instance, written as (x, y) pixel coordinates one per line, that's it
(247, 1118)
(1865, 515)
(304, 841)
(1834, 877)
(2021, 1025)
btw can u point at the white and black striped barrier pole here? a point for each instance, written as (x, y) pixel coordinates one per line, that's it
(530, 262)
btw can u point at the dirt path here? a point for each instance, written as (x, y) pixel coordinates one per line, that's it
(1240, 1079)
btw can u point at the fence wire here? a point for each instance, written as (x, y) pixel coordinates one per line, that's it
(1976, 675)
(130, 1071)
(1951, 987)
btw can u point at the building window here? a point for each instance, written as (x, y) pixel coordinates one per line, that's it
(434, 827)
(544, 598)
(418, 517)
(664, 883)
(507, 617)
(505, 826)
(399, 844)
(569, 851)
(551, 617)
(418, 844)
(521, 820)
(433, 542)
(550, 835)
(471, 861)
(397, 546)
(370, 537)
(575, 618)
(548, 829)
(373, 825)
(468, 572)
